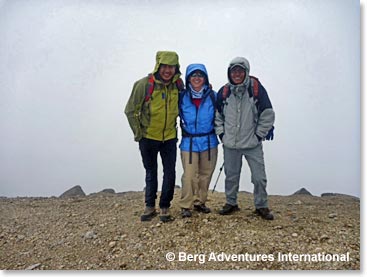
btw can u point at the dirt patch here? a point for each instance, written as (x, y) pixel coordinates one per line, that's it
(105, 232)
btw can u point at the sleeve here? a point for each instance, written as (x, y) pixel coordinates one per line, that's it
(266, 113)
(133, 109)
(219, 118)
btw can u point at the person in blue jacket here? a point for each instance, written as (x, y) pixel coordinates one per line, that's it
(199, 144)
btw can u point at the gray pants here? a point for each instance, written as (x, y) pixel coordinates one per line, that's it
(232, 169)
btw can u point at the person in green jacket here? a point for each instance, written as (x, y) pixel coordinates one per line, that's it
(152, 111)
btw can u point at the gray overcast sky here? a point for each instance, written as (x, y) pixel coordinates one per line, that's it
(67, 70)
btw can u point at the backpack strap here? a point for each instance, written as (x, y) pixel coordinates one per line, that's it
(255, 86)
(221, 98)
(150, 88)
(212, 97)
(180, 85)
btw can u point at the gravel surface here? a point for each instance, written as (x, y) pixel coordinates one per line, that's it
(103, 231)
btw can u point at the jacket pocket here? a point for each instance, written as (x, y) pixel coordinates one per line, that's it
(254, 141)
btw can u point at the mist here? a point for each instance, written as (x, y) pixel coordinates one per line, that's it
(68, 67)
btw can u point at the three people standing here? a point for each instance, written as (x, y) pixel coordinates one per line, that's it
(241, 115)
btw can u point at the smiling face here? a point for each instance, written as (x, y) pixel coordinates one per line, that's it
(197, 80)
(237, 75)
(167, 72)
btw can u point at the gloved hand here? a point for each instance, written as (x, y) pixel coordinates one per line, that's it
(221, 137)
(270, 135)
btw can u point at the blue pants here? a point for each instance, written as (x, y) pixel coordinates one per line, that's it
(168, 151)
(232, 169)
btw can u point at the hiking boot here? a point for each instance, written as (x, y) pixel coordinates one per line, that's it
(202, 208)
(186, 213)
(228, 209)
(148, 214)
(165, 216)
(265, 213)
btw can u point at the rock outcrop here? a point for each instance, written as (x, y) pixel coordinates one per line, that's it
(73, 192)
(302, 191)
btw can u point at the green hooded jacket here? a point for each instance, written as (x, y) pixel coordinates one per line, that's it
(156, 118)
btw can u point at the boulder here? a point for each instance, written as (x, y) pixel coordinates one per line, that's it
(302, 191)
(108, 191)
(105, 192)
(73, 192)
(326, 194)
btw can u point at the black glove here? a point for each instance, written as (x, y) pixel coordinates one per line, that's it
(221, 137)
(270, 135)
(259, 138)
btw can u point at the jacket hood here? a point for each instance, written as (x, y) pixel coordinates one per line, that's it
(192, 68)
(170, 58)
(242, 62)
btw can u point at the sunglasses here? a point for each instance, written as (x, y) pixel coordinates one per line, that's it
(198, 75)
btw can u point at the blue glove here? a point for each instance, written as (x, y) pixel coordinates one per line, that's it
(270, 135)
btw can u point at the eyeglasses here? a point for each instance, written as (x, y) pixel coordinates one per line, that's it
(198, 75)
(238, 70)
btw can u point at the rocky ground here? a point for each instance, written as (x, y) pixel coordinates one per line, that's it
(103, 231)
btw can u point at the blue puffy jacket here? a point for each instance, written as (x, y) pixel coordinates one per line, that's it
(197, 124)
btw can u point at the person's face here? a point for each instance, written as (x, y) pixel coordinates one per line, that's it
(167, 72)
(197, 80)
(237, 75)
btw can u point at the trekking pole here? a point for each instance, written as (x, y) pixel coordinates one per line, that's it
(216, 182)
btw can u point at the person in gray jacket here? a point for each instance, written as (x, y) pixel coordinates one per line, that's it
(244, 118)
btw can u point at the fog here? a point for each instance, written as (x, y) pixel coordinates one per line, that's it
(68, 67)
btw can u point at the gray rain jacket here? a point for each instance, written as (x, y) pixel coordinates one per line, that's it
(243, 119)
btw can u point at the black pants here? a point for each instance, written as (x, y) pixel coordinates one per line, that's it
(168, 151)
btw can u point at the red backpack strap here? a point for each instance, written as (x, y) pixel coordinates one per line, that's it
(180, 85)
(150, 88)
(221, 97)
(225, 92)
(255, 86)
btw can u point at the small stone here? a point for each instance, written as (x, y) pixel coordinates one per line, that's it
(294, 235)
(90, 235)
(34, 266)
(324, 237)
(278, 227)
(112, 244)
(299, 202)
(333, 215)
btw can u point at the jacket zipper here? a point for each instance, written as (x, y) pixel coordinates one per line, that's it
(165, 117)
(203, 99)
